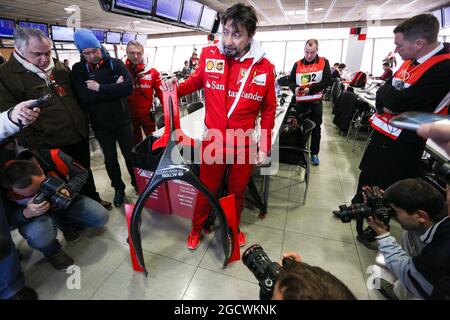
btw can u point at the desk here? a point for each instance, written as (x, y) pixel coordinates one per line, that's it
(361, 96)
(193, 126)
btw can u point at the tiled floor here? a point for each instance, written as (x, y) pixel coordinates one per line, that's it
(178, 273)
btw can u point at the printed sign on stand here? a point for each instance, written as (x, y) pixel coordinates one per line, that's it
(183, 198)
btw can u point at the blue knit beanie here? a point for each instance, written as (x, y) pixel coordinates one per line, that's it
(85, 38)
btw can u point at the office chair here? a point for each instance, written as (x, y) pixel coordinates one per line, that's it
(194, 106)
(304, 160)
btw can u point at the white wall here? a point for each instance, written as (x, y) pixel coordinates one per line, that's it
(284, 48)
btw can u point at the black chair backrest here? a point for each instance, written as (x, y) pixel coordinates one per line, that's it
(308, 127)
(191, 107)
(160, 121)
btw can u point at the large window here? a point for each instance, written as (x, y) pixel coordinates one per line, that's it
(382, 49)
(275, 53)
(294, 52)
(163, 59)
(330, 49)
(181, 54)
(366, 63)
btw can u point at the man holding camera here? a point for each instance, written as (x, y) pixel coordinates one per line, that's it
(42, 194)
(12, 281)
(420, 265)
(309, 78)
(32, 73)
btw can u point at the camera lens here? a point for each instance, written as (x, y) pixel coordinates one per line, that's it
(256, 260)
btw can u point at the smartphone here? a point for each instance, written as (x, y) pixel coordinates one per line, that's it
(40, 101)
(413, 120)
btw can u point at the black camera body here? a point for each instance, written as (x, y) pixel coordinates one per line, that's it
(50, 191)
(264, 270)
(374, 206)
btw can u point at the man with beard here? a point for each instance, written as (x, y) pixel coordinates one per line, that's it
(239, 83)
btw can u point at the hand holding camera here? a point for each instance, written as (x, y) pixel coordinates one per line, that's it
(36, 209)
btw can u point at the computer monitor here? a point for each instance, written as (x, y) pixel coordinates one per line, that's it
(192, 11)
(144, 6)
(63, 34)
(208, 18)
(34, 25)
(6, 28)
(169, 9)
(113, 37)
(438, 14)
(142, 38)
(446, 17)
(127, 37)
(99, 34)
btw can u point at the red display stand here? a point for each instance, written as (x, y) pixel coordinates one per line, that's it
(183, 198)
(159, 200)
(134, 261)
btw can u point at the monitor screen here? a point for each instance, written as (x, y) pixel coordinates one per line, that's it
(99, 34)
(142, 38)
(35, 25)
(169, 9)
(438, 14)
(6, 28)
(113, 37)
(208, 18)
(138, 5)
(127, 37)
(62, 33)
(191, 12)
(446, 17)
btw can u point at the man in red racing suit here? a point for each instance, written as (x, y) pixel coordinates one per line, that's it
(146, 81)
(239, 84)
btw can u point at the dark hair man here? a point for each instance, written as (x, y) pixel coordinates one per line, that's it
(37, 221)
(420, 84)
(239, 83)
(337, 73)
(146, 83)
(387, 74)
(12, 281)
(31, 73)
(421, 209)
(309, 78)
(103, 85)
(301, 281)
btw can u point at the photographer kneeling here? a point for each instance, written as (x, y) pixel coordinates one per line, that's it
(425, 257)
(42, 194)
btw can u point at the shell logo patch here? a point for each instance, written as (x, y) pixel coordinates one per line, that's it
(215, 65)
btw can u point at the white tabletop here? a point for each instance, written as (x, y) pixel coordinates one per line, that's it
(362, 96)
(193, 123)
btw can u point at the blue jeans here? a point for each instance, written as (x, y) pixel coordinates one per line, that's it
(11, 276)
(41, 231)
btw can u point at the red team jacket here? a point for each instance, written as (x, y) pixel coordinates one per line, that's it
(145, 80)
(221, 78)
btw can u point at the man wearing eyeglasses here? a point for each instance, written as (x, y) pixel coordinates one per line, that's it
(31, 73)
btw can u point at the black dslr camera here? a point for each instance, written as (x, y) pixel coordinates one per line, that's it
(264, 270)
(374, 206)
(50, 191)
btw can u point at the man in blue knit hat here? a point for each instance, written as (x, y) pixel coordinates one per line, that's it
(103, 85)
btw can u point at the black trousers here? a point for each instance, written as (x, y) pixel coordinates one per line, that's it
(316, 110)
(107, 138)
(80, 152)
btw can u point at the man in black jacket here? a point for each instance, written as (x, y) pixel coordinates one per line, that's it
(309, 77)
(419, 85)
(103, 84)
(31, 73)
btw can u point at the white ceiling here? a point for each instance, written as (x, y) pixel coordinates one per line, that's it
(270, 12)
